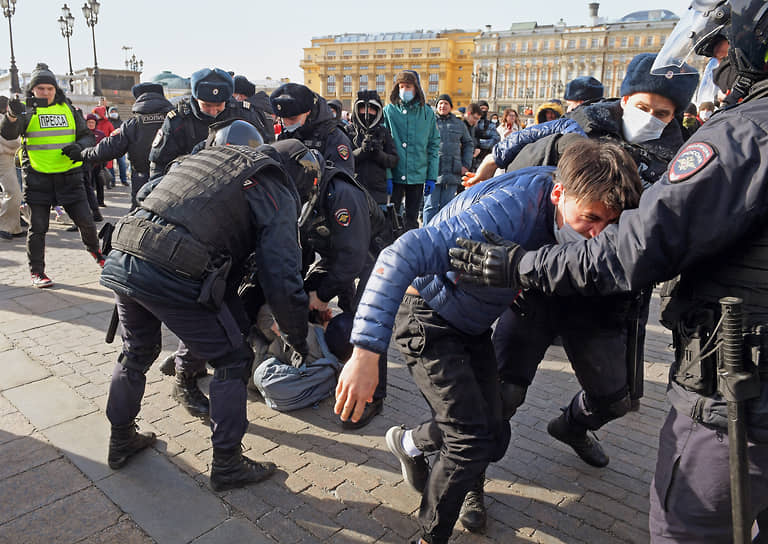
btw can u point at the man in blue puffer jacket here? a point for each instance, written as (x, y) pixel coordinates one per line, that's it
(443, 329)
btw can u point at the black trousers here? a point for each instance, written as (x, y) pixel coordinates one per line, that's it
(78, 211)
(456, 374)
(413, 194)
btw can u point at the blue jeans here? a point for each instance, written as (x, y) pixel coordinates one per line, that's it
(123, 168)
(441, 195)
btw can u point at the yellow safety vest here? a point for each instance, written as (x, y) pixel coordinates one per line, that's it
(49, 130)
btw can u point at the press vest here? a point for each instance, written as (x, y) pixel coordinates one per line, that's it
(50, 129)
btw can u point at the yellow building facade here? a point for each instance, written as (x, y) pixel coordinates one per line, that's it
(337, 67)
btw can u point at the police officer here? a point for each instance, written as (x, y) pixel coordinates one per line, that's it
(706, 220)
(187, 125)
(53, 134)
(486, 134)
(174, 261)
(258, 102)
(135, 135)
(305, 115)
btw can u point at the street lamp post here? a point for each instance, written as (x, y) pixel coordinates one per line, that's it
(134, 64)
(91, 14)
(9, 8)
(67, 24)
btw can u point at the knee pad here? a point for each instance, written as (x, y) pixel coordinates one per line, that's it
(140, 360)
(512, 397)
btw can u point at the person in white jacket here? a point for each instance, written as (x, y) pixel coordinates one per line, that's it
(10, 198)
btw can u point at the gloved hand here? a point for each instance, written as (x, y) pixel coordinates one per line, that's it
(493, 264)
(73, 151)
(367, 145)
(389, 187)
(16, 107)
(466, 179)
(297, 359)
(429, 186)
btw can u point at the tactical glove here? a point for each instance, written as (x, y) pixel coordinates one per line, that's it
(73, 151)
(493, 264)
(17, 107)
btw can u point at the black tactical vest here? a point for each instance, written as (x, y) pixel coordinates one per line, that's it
(210, 185)
(147, 125)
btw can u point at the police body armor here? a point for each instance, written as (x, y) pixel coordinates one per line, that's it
(138, 150)
(693, 314)
(212, 227)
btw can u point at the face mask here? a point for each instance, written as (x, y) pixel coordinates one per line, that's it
(292, 128)
(640, 126)
(333, 114)
(725, 74)
(705, 115)
(113, 115)
(566, 233)
(406, 96)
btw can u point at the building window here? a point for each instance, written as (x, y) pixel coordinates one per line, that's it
(608, 74)
(363, 53)
(347, 85)
(330, 86)
(483, 93)
(347, 68)
(381, 67)
(434, 82)
(512, 47)
(461, 79)
(662, 40)
(637, 41)
(381, 83)
(461, 67)
(331, 68)
(434, 66)
(595, 43)
(461, 52)
(416, 51)
(330, 54)
(347, 53)
(583, 43)
(363, 67)
(534, 46)
(611, 42)
(571, 44)
(364, 83)
(557, 45)
(381, 51)
(524, 47)
(399, 52)
(483, 77)
(434, 50)
(648, 41)
(624, 41)
(415, 66)
(397, 67)
(545, 46)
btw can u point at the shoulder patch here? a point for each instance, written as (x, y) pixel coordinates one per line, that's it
(343, 151)
(691, 159)
(158, 141)
(343, 217)
(171, 114)
(246, 104)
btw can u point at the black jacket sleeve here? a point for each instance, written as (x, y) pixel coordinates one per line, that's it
(165, 148)
(275, 218)
(719, 199)
(388, 157)
(111, 147)
(10, 130)
(83, 135)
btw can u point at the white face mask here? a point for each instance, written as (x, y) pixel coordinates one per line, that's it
(640, 126)
(566, 233)
(705, 114)
(113, 115)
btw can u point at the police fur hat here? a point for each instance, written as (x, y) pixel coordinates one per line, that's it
(679, 89)
(584, 88)
(244, 87)
(146, 87)
(42, 75)
(407, 76)
(212, 85)
(445, 97)
(291, 99)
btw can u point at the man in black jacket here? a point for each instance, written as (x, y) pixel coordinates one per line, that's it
(175, 262)
(135, 135)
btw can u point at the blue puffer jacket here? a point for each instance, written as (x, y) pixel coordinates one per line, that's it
(506, 150)
(515, 206)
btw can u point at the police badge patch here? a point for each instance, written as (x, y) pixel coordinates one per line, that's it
(343, 217)
(158, 141)
(343, 151)
(690, 160)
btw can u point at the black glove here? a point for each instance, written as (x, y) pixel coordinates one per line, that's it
(17, 107)
(493, 264)
(298, 358)
(73, 151)
(367, 145)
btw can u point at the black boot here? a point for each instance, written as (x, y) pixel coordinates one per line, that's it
(168, 367)
(473, 515)
(576, 437)
(186, 391)
(124, 442)
(232, 469)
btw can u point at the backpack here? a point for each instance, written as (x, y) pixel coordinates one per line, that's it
(285, 387)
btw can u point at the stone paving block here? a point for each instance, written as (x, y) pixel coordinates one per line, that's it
(361, 523)
(85, 442)
(37, 487)
(19, 369)
(234, 530)
(25, 453)
(395, 520)
(5, 406)
(13, 425)
(48, 402)
(124, 532)
(315, 522)
(67, 520)
(164, 501)
(281, 527)
(248, 501)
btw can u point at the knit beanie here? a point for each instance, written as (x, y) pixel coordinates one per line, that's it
(445, 97)
(679, 89)
(42, 75)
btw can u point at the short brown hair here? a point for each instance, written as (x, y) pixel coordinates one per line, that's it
(474, 107)
(595, 171)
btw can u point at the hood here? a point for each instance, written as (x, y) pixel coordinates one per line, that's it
(321, 111)
(261, 101)
(360, 123)
(557, 107)
(151, 103)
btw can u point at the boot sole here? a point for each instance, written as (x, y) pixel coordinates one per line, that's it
(563, 440)
(236, 485)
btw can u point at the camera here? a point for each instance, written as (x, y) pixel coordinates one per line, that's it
(33, 102)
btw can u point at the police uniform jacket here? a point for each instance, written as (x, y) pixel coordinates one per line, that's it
(186, 126)
(342, 239)
(326, 134)
(47, 188)
(516, 206)
(135, 135)
(706, 219)
(371, 166)
(456, 148)
(267, 232)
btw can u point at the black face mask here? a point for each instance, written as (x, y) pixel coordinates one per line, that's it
(725, 74)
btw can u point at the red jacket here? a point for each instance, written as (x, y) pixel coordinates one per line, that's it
(104, 125)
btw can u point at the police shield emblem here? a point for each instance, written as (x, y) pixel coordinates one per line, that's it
(343, 217)
(343, 151)
(690, 160)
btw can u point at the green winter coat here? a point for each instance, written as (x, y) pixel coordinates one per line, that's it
(417, 140)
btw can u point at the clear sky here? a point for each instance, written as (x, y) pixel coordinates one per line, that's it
(257, 38)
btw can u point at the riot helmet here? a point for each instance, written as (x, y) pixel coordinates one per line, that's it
(368, 100)
(305, 167)
(233, 132)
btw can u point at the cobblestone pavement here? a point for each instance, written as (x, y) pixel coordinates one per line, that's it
(332, 486)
